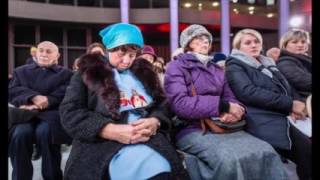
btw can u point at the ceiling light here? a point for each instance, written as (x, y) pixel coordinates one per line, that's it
(270, 15)
(215, 4)
(235, 11)
(200, 6)
(296, 21)
(251, 12)
(270, 2)
(234, 1)
(187, 5)
(251, 8)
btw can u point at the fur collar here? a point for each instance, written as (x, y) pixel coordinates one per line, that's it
(98, 76)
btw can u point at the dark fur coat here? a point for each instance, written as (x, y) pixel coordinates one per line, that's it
(92, 101)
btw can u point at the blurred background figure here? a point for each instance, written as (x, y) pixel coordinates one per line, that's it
(75, 65)
(176, 53)
(219, 58)
(96, 48)
(32, 59)
(273, 53)
(159, 67)
(148, 53)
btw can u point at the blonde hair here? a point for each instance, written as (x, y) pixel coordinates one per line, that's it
(293, 34)
(237, 38)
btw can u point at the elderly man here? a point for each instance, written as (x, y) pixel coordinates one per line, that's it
(39, 86)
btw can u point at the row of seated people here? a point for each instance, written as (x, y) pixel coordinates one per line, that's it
(118, 115)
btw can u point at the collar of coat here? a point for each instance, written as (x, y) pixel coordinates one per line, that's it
(190, 61)
(299, 57)
(98, 76)
(54, 67)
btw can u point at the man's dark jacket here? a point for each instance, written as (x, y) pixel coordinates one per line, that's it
(30, 80)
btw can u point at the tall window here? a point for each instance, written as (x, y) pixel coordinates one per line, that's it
(111, 3)
(76, 44)
(90, 3)
(64, 2)
(24, 38)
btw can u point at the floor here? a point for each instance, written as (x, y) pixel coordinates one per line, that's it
(66, 150)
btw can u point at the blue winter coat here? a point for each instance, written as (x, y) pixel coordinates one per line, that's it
(30, 80)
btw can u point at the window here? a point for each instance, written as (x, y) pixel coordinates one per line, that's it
(95, 35)
(140, 4)
(160, 3)
(37, 1)
(92, 3)
(21, 54)
(65, 2)
(24, 34)
(51, 33)
(111, 3)
(76, 37)
(73, 54)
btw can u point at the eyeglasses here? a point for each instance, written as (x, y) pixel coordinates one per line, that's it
(202, 38)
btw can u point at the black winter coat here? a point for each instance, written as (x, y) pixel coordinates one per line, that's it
(297, 68)
(85, 112)
(268, 101)
(30, 80)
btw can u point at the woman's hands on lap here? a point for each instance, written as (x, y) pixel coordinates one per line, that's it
(133, 133)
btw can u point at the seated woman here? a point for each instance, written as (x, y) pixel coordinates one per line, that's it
(269, 99)
(116, 117)
(294, 62)
(231, 156)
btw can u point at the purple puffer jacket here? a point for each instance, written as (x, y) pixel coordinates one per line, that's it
(210, 84)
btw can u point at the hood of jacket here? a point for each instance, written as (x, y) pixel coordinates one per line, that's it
(265, 66)
(298, 58)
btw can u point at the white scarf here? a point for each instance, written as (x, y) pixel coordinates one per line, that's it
(204, 59)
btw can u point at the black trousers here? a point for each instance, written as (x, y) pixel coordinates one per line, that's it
(300, 153)
(21, 147)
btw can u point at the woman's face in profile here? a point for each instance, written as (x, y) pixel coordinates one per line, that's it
(250, 45)
(297, 46)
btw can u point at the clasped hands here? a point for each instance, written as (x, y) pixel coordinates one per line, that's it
(39, 102)
(135, 132)
(298, 110)
(235, 113)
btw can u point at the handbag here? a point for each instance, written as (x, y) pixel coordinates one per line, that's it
(218, 126)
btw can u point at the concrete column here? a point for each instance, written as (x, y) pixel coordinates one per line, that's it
(225, 27)
(283, 11)
(124, 8)
(174, 25)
